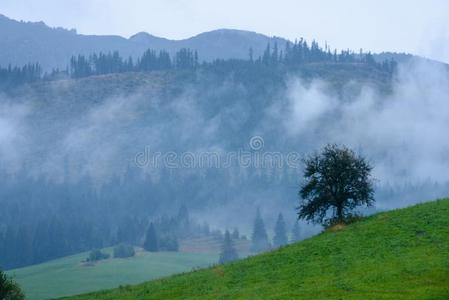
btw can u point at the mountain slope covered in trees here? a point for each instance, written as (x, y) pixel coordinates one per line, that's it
(401, 254)
(86, 132)
(35, 42)
(75, 182)
(31, 42)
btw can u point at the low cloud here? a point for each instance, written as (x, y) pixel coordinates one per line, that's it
(403, 133)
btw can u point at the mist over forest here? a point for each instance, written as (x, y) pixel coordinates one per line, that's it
(70, 141)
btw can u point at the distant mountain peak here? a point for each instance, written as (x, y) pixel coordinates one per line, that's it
(24, 42)
(145, 36)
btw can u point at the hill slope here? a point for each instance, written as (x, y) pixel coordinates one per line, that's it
(70, 276)
(24, 42)
(393, 255)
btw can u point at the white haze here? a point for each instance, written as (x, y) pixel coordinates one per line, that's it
(404, 134)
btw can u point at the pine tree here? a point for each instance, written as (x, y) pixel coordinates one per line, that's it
(266, 58)
(151, 242)
(228, 251)
(259, 237)
(280, 232)
(183, 220)
(296, 234)
(235, 234)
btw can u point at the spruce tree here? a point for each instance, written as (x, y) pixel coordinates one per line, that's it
(183, 220)
(296, 234)
(151, 242)
(228, 251)
(259, 237)
(235, 234)
(280, 232)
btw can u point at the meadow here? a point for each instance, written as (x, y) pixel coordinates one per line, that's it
(400, 254)
(68, 276)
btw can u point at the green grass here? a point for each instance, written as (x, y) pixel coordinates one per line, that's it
(67, 276)
(401, 254)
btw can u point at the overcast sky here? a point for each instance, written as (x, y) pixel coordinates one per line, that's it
(414, 26)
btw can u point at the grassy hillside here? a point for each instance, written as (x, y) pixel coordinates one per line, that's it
(67, 276)
(402, 254)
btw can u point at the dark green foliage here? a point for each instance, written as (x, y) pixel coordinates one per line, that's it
(336, 182)
(186, 59)
(183, 221)
(259, 237)
(235, 234)
(9, 290)
(123, 251)
(96, 255)
(168, 242)
(130, 231)
(293, 56)
(14, 76)
(280, 232)
(150, 61)
(228, 252)
(151, 242)
(296, 233)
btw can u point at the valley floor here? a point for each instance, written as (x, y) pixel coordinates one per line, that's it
(68, 276)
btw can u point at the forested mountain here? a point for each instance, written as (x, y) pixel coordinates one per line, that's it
(31, 42)
(34, 42)
(83, 175)
(94, 152)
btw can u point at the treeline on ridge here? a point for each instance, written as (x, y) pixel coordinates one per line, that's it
(292, 56)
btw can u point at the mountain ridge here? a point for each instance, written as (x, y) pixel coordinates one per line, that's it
(18, 37)
(25, 42)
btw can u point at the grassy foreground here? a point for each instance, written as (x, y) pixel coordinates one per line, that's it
(401, 254)
(67, 276)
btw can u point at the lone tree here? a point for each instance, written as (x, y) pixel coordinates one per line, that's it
(336, 181)
(228, 251)
(260, 237)
(280, 232)
(151, 242)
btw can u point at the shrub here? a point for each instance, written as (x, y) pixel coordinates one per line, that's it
(9, 290)
(123, 251)
(96, 255)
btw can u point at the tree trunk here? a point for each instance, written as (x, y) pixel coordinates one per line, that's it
(340, 212)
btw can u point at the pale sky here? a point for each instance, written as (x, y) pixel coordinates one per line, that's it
(413, 26)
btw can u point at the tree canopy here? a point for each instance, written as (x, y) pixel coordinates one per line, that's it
(280, 232)
(151, 241)
(296, 233)
(259, 237)
(9, 289)
(228, 251)
(335, 182)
